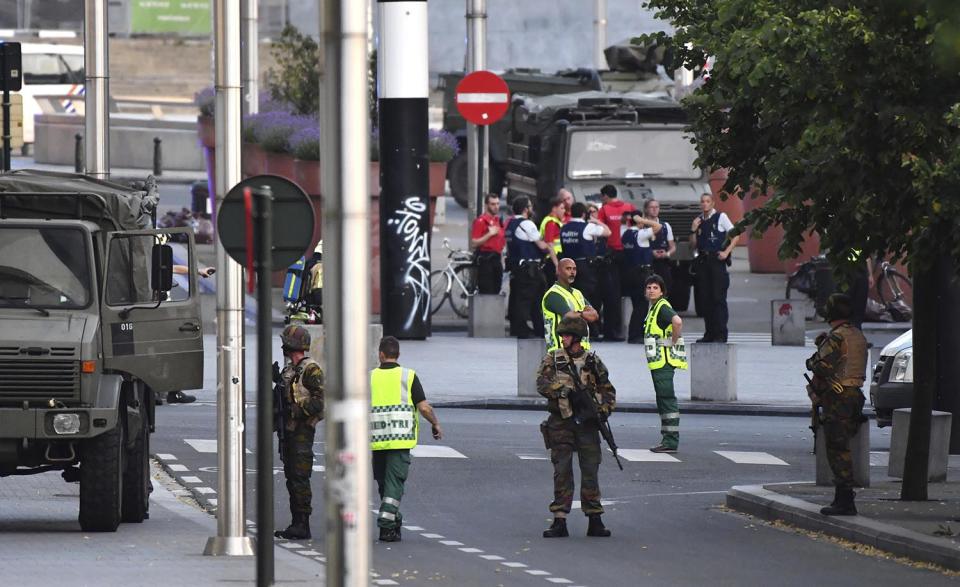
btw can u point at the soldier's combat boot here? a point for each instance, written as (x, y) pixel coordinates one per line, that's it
(596, 527)
(558, 529)
(299, 528)
(844, 505)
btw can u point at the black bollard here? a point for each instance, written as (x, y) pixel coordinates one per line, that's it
(78, 153)
(157, 157)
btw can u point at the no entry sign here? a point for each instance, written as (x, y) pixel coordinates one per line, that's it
(483, 97)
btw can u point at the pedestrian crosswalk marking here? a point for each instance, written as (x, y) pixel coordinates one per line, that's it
(308, 552)
(178, 468)
(451, 543)
(319, 468)
(190, 479)
(575, 504)
(527, 457)
(559, 580)
(646, 456)
(491, 557)
(470, 550)
(166, 457)
(205, 445)
(537, 572)
(432, 536)
(436, 451)
(514, 565)
(205, 490)
(879, 459)
(291, 545)
(411, 528)
(750, 458)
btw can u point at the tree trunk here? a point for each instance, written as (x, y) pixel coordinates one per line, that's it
(926, 299)
(947, 397)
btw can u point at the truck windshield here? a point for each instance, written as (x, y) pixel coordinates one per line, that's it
(631, 154)
(44, 268)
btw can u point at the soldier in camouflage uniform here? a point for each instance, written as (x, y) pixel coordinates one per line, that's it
(838, 367)
(302, 407)
(573, 425)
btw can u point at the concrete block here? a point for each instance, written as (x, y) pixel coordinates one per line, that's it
(787, 324)
(487, 312)
(713, 371)
(317, 343)
(939, 444)
(859, 452)
(530, 352)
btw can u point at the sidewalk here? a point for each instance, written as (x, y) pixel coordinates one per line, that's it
(926, 531)
(41, 542)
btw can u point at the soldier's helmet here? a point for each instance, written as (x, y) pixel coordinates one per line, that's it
(295, 338)
(574, 326)
(838, 307)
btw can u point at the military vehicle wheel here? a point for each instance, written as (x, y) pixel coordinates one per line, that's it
(136, 475)
(101, 480)
(457, 175)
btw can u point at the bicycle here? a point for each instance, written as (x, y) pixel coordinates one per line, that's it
(890, 285)
(806, 281)
(456, 282)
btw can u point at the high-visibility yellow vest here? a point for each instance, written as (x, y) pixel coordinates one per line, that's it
(557, 246)
(659, 354)
(394, 422)
(551, 320)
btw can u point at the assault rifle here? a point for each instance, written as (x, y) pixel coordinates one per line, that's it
(279, 410)
(585, 408)
(814, 414)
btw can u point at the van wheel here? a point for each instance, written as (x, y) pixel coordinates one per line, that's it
(136, 476)
(101, 480)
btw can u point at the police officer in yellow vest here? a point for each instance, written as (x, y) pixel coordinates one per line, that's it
(563, 300)
(396, 397)
(663, 346)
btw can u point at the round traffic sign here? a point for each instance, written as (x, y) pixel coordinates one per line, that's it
(291, 222)
(482, 97)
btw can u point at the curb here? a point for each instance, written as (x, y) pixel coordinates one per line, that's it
(770, 505)
(719, 409)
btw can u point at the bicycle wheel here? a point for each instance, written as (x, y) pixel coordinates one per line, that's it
(464, 287)
(890, 288)
(439, 288)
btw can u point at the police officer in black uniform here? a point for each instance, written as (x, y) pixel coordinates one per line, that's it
(708, 236)
(525, 249)
(637, 267)
(578, 241)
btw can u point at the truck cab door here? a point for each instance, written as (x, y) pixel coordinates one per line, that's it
(154, 335)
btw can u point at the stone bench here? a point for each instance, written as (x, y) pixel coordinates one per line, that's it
(487, 313)
(530, 352)
(939, 444)
(713, 371)
(859, 453)
(317, 340)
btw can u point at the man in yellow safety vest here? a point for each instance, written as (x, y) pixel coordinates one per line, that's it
(563, 300)
(396, 397)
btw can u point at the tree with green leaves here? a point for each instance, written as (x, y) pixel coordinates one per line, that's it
(296, 79)
(850, 110)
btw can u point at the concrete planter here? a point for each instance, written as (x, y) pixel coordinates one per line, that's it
(762, 252)
(306, 174)
(253, 159)
(279, 164)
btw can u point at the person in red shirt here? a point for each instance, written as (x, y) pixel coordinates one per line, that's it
(567, 198)
(488, 239)
(611, 214)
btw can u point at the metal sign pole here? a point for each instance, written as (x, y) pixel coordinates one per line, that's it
(264, 238)
(477, 152)
(6, 110)
(249, 42)
(599, 34)
(96, 89)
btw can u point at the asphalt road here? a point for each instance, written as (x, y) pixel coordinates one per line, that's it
(476, 505)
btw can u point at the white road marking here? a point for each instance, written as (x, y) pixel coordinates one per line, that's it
(213, 502)
(411, 528)
(433, 536)
(205, 445)
(491, 557)
(319, 468)
(309, 552)
(576, 503)
(514, 565)
(436, 451)
(644, 455)
(451, 543)
(385, 582)
(559, 580)
(537, 572)
(532, 457)
(751, 458)
(879, 459)
(190, 479)
(166, 457)
(178, 468)
(206, 490)
(470, 550)
(290, 545)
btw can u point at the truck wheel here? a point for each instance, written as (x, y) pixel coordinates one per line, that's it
(136, 476)
(457, 174)
(101, 480)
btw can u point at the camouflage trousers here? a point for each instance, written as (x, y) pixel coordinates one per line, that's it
(841, 416)
(667, 406)
(298, 466)
(390, 470)
(567, 437)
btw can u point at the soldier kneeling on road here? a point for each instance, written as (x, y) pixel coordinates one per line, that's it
(579, 394)
(300, 409)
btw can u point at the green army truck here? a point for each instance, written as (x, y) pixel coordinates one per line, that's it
(634, 141)
(91, 326)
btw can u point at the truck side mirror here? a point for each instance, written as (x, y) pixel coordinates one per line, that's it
(161, 274)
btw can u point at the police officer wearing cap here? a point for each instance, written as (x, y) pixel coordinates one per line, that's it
(302, 409)
(838, 367)
(577, 387)
(578, 241)
(525, 249)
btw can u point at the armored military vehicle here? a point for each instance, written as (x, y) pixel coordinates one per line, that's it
(634, 141)
(91, 326)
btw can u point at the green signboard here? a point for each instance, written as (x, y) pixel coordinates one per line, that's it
(183, 17)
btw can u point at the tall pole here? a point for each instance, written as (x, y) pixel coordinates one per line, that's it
(402, 63)
(264, 240)
(346, 297)
(231, 538)
(599, 34)
(250, 48)
(97, 89)
(478, 147)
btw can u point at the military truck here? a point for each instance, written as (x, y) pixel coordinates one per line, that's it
(634, 141)
(91, 326)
